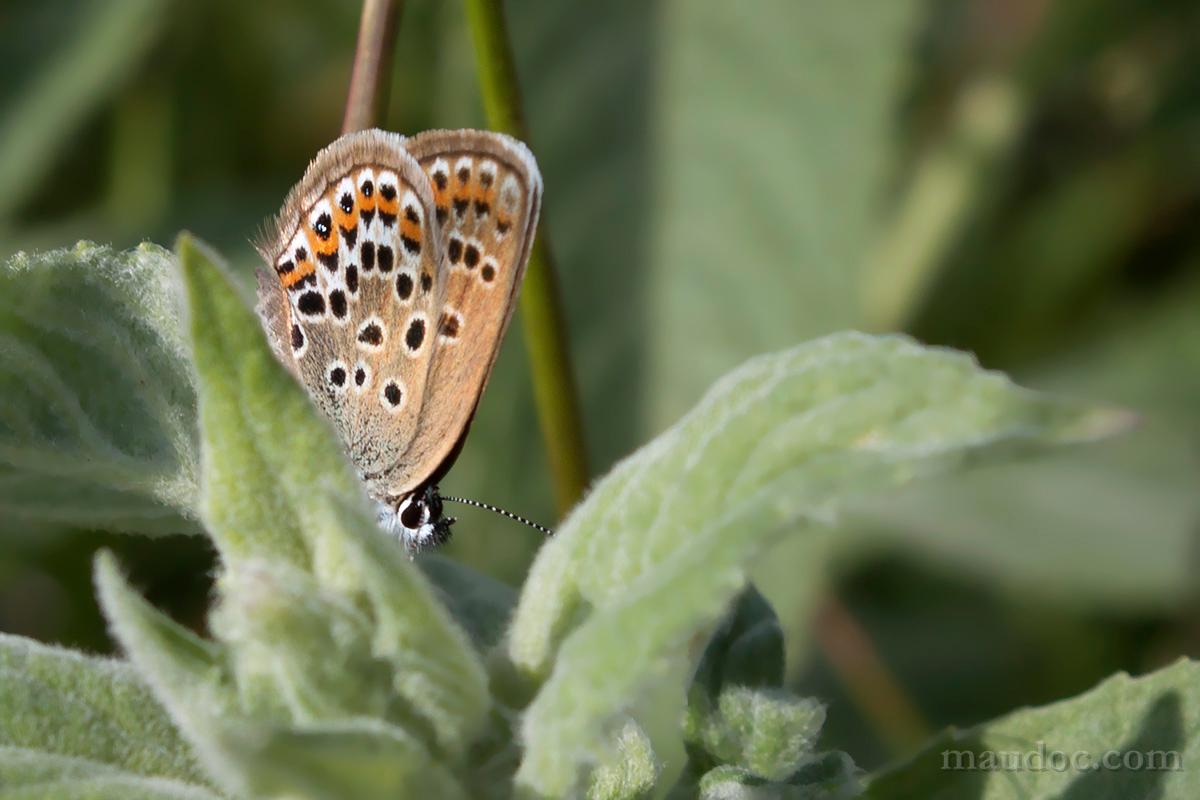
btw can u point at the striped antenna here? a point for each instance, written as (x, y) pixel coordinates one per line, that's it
(500, 511)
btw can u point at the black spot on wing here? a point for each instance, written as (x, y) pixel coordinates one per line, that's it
(337, 303)
(311, 304)
(392, 394)
(404, 286)
(415, 335)
(386, 259)
(371, 334)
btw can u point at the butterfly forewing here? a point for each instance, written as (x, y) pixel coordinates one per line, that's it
(355, 294)
(486, 192)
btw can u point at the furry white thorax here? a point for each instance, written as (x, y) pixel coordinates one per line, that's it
(418, 538)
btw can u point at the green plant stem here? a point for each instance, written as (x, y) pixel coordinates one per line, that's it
(949, 185)
(372, 65)
(541, 308)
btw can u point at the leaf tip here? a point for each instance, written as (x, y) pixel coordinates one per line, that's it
(1101, 423)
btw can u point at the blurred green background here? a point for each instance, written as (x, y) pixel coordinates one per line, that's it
(1017, 178)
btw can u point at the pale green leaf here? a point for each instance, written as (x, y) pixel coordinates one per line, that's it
(631, 771)
(830, 776)
(660, 544)
(293, 645)
(33, 774)
(189, 676)
(58, 703)
(1024, 527)
(265, 446)
(362, 759)
(1126, 738)
(278, 488)
(766, 732)
(97, 424)
(231, 728)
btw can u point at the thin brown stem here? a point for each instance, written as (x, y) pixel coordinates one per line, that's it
(369, 81)
(871, 686)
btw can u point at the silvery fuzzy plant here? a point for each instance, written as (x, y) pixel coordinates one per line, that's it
(635, 662)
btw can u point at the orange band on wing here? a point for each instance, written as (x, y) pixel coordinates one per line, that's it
(322, 248)
(346, 221)
(389, 206)
(301, 271)
(410, 229)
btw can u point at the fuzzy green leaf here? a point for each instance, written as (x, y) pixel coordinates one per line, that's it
(265, 447)
(830, 776)
(660, 545)
(281, 500)
(29, 774)
(363, 759)
(631, 771)
(1148, 728)
(233, 734)
(97, 424)
(293, 645)
(59, 708)
(768, 733)
(189, 676)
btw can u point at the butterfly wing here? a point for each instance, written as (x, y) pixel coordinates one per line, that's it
(486, 191)
(351, 303)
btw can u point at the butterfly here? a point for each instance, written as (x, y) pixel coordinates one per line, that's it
(391, 274)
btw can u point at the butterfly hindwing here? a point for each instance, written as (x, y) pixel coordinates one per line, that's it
(486, 191)
(353, 299)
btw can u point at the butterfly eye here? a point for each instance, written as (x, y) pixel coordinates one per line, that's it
(413, 514)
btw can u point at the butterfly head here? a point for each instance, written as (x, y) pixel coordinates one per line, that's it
(416, 519)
